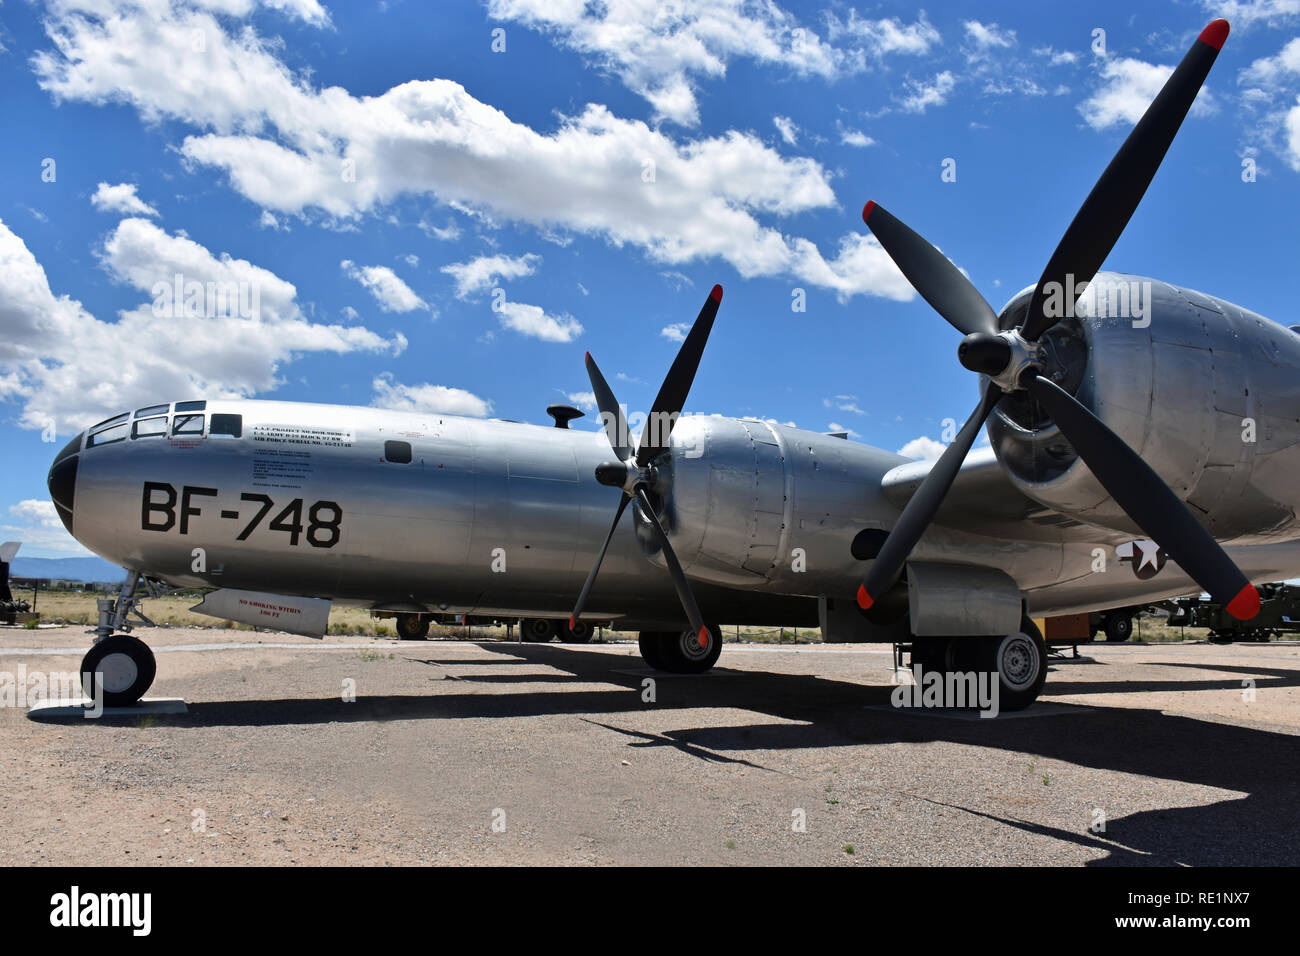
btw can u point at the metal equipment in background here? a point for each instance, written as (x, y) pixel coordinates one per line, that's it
(10, 609)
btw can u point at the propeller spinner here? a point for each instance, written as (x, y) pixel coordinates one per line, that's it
(634, 470)
(1011, 359)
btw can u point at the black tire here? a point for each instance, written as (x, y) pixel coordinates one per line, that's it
(538, 630)
(1020, 661)
(651, 644)
(124, 666)
(1222, 637)
(929, 654)
(1119, 628)
(412, 627)
(682, 654)
(582, 633)
(945, 654)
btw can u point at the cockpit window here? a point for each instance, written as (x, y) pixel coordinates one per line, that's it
(149, 427)
(232, 425)
(198, 406)
(108, 435)
(151, 411)
(108, 431)
(190, 425)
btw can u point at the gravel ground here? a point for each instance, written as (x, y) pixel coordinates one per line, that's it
(460, 753)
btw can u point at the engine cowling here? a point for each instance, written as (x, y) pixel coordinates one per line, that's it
(721, 495)
(1206, 392)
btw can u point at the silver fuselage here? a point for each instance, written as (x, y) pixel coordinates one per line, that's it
(500, 518)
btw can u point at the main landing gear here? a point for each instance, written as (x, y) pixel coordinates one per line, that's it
(412, 627)
(680, 652)
(1019, 660)
(540, 630)
(118, 666)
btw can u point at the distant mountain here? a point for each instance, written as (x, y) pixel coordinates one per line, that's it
(70, 569)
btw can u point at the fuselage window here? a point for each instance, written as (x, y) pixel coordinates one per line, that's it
(232, 425)
(191, 425)
(398, 452)
(149, 427)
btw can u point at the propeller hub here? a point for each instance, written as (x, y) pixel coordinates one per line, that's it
(625, 475)
(985, 353)
(612, 473)
(1005, 357)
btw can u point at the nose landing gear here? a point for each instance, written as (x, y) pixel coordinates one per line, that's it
(119, 666)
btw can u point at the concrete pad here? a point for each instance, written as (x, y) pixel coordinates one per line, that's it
(76, 707)
(1037, 709)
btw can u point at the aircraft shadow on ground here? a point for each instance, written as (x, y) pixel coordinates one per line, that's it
(1260, 828)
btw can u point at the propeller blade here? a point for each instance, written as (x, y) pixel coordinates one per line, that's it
(611, 413)
(923, 505)
(675, 569)
(1149, 501)
(677, 383)
(1104, 214)
(595, 568)
(931, 273)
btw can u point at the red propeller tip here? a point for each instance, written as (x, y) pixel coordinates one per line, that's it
(1215, 33)
(588, 357)
(716, 294)
(571, 622)
(1246, 604)
(864, 599)
(703, 636)
(866, 210)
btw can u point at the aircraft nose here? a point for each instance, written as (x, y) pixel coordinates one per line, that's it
(62, 480)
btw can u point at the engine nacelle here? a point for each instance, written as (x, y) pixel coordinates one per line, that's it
(755, 504)
(721, 497)
(1206, 392)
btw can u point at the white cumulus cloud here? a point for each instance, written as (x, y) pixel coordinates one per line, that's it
(788, 129)
(660, 50)
(1127, 89)
(922, 447)
(392, 294)
(228, 334)
(296, 148)
(535, 321)
(428, 398)
(481, 273)
(122, 199)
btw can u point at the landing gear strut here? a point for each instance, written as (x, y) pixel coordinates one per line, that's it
(680, 652)
(118, 665)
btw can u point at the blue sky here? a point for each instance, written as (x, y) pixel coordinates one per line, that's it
(376, 171)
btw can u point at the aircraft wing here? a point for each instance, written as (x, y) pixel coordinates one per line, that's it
(984, 501)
